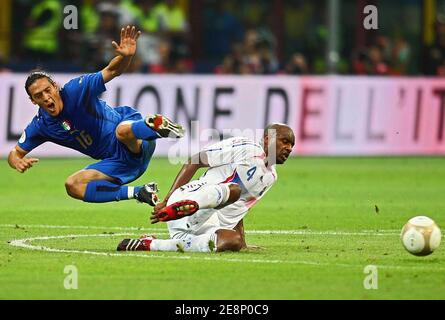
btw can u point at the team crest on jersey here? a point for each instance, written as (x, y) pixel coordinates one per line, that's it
(66, 125)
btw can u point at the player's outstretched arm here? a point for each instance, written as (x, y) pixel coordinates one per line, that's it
(184, 176)
(125, 51)
(18, 161)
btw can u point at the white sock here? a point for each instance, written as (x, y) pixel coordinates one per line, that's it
(130, 193)
(164, 245)
(201, 243)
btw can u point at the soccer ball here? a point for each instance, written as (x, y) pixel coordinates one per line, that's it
(421, 236)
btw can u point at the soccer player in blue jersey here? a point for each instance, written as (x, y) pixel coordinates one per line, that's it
(75, 117)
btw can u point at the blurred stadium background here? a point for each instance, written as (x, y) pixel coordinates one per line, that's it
(229, 37)
(396, 106)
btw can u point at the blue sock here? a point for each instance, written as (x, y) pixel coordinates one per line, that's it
(142, 131)
(105, 191)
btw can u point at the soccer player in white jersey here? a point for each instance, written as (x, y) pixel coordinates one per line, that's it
(207, 214)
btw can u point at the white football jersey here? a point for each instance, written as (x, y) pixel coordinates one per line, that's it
(239, 160)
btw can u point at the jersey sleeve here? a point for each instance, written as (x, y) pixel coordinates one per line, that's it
(91, 85)
(31, 137)
(232, 151)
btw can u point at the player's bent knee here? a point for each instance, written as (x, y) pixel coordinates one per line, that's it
(228, 240)
(123, 132)
(73, 188)
(235, 193)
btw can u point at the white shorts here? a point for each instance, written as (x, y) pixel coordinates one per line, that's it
(204, 221)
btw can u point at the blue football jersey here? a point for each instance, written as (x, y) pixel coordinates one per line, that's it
(86, 123)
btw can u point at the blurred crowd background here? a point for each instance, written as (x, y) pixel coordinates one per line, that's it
(228, 37)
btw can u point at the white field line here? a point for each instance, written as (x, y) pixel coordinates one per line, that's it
(386, 230)
(44, 226)
(159, 230)
(25, 243)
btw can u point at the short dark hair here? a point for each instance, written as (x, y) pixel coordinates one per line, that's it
(35, 75)
(272, 126)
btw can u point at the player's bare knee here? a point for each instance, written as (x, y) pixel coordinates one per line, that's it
(73, 188)
(229, 240)
(124, 133)
(235, 193)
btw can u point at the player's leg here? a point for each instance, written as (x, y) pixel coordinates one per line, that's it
(163, 126)
(152, 127)
(229, 240)
(219, 240)
(195, 197)
(208, 233)
(201, 243)
(76, 184)
(94, 186)
(106, 180)
(124, 134)
(200, 232)
(212, 241)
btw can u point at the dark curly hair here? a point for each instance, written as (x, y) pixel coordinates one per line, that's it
(35, 75)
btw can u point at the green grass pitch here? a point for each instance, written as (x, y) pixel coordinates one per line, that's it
(325, 208)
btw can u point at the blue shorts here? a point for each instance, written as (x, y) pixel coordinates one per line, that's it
(125, 166)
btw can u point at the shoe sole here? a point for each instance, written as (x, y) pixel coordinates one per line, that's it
(178, 210)
(163, 123)
(185, 207)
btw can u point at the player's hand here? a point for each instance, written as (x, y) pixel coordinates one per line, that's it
(159, 206)
(154, 218)
(24, 164)
(253, 247)
(127, 46)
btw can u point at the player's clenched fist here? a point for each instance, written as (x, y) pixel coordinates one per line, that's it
(24, 164)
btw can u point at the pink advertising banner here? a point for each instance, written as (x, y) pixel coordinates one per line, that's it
(347, 115)
(330, 115)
